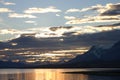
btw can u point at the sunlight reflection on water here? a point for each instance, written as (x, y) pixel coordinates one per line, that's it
(49, 74)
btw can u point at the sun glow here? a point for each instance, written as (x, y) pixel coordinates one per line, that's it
(51, 54)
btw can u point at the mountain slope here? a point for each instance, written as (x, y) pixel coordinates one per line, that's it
(113, 54)
(30, 42)
(98, 57)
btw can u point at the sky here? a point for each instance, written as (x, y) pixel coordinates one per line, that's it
(37, 16)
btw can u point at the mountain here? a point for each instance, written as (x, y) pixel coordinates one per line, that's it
(98, 57)
(113, 54)
(30, 42)
(4, 45)
(89, 59)
(9, 64)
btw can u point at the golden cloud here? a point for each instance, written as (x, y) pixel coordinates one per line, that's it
(92, 19)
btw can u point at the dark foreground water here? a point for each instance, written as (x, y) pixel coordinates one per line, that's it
(54, 74)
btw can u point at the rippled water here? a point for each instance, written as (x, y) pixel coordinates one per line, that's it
(51, 74)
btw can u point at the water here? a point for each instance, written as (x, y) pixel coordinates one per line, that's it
(52, 74)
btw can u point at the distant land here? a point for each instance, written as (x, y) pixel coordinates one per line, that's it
(96, 57)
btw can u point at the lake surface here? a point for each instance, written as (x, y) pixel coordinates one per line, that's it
(53, 74)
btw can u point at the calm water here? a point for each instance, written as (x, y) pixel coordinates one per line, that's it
(50, 74)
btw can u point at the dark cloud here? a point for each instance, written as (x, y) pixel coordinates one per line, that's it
(101, 38)
(114, 9)
(109, 25)
(61, 27)
(111, 13)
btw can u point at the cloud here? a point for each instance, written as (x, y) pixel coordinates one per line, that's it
(92, 29)
(97, 7)
(101, 38)
(110, 25)
(111, 10)
(60, 28)
(9, 3)
(46, 32)
(92, 19)
(108, 13)
(72, 10)
(77, 36)
(107, 10)
(5, 10)
(74, 30)
(31, 22)
(57, 15)
(62, 31)
(69, 17)
(42, 10)
(6, 3)
(16, 15)
(9, 31)
(73, 41)
(15, 31)
(81, 30)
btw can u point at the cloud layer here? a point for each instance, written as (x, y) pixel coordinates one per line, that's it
(60, 31)
(66, 36)
(108, 13)
(99, 13)
(91, 19)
